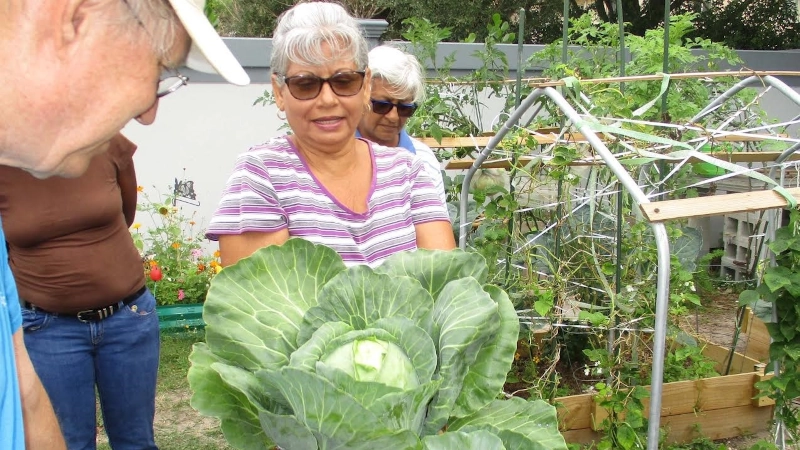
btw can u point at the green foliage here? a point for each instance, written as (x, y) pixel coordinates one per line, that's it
(173, 247)
(707, 279)
(687, 362)
(764, 445)
(742, 24)
(248, 18)
(317, 377)
(599, 57)
(780, 286)
(752, 24)
(700, 443)
(626, 425)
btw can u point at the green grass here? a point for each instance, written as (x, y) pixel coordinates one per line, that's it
(177, 425)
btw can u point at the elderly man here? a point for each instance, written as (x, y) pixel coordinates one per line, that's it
(74, 72)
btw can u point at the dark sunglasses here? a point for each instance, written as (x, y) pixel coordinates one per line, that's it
(384, 107)
(307, 86)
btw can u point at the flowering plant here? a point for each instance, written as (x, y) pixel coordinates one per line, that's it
(176, 267)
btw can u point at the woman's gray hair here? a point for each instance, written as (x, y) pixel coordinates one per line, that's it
(301, 31)
(400, 71)
(160, 22)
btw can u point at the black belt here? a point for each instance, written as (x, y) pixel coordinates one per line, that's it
(94, 315)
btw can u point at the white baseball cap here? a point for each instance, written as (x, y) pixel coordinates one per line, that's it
(208, 53)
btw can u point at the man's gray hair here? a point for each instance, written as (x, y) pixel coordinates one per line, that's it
(301, 31)
(400, 71)
(161, 24)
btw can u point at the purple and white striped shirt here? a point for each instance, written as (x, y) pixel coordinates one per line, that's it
(272, 188)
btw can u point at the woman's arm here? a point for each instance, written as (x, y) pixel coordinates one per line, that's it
(233, 247)
(126, 178)
(436, 235)
(121, 151)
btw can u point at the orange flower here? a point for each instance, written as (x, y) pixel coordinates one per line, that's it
(213, 264)
(176, 245)
(201, 267)
(140, 188)
(216, 254)
(191, 222)
(153, 263)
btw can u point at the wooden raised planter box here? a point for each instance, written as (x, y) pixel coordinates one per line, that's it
(717, 408)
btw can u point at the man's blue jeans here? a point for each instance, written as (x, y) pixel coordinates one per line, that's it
(117, 355)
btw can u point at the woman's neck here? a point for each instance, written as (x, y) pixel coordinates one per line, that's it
(336, 164)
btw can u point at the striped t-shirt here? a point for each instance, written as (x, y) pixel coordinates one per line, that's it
(272, 188)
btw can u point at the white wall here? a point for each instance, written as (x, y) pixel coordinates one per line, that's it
(202, 128)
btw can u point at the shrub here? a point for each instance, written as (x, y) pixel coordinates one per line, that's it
(176, 266)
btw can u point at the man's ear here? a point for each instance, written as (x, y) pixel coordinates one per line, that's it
(276, 92)
(77, 15)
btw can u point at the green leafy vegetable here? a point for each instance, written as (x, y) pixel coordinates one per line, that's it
(305, 354)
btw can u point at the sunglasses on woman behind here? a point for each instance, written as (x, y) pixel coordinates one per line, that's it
(384, 107)
(308, 86)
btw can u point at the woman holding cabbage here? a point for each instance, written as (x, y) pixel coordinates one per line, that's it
(321, 183)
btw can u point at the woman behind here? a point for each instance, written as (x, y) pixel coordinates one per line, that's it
(398, 87)
(321, 183)
(88, 321)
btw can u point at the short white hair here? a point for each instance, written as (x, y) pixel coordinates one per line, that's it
(161, 23)
(400, 71)
(301, 31)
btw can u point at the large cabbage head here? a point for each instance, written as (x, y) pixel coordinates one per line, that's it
(305, 354)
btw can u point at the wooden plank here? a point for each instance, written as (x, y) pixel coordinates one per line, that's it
(683, 428)
(758, 338)
(672, 76)
(482, 141)
(717, 424)
(582, 436)
(715, 205)
(741, 363)
(505, 163)
(706, 394)
(574, 411)
(762, 401)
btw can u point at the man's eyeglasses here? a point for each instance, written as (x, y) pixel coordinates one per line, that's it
(166, 84)
(307, 86)
(171, 83)
(403, 109)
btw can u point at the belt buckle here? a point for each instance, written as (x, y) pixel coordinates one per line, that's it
(91, 312)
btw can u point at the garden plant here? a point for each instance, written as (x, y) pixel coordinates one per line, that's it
(578, 261)
(178, 267)
(304, 353)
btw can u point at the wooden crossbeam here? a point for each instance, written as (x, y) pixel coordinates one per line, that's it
(483, 141)
(549, 136)
(715, 205)
(672, 76)
(736, 157)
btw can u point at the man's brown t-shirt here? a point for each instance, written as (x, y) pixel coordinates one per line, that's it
(69, 244)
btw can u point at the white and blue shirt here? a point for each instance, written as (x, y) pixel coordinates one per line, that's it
(11, 430)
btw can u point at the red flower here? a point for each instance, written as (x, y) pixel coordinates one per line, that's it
(155, 273)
